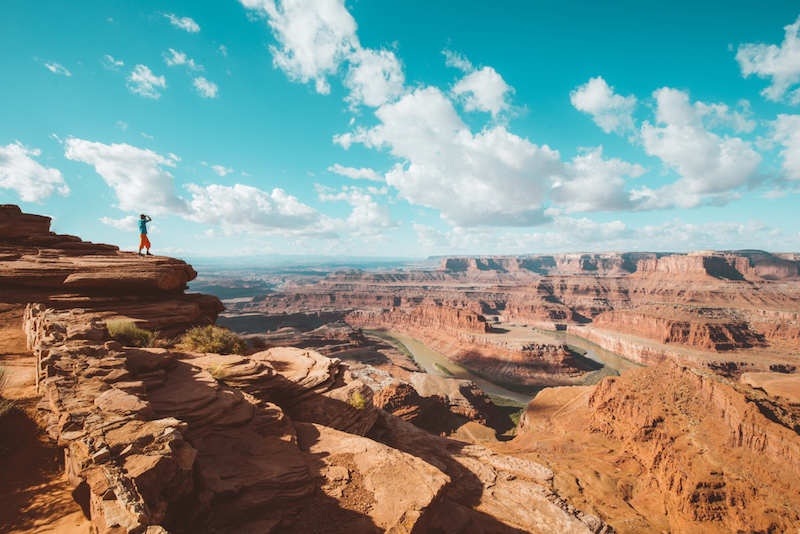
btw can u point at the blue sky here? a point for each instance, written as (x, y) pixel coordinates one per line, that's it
(405, 128)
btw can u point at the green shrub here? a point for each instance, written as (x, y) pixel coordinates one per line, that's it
(130, 335)
(5, 405)
(357, 401)
(214, 339)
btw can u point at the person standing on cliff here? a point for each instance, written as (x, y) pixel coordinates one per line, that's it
(144, 242)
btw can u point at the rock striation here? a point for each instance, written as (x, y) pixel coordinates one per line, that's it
(733, 310)
(282, 440)
(688, 450)
(64, 272)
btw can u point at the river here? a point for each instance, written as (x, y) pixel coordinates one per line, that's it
(427, 359)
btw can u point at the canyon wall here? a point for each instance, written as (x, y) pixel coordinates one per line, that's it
(729, 309)
(65, 272)
(670, 448)
(721, 453)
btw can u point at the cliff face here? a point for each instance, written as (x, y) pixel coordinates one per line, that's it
(65, 272)
(671, 448)
(548, 264)
(698, 434)
(739, 265)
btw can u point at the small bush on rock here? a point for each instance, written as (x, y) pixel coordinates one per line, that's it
(130, 335)
(214, 339)
(358, 401)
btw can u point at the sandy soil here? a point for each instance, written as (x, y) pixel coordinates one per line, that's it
(33, 489)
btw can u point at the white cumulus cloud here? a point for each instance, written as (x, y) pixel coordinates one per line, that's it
(786, 131)
(591, 183)
(136, 175)
(483, 90)
(710, 166)
(243, 208)
(368, 218)
(356, 174)
(22, 174)
(779, 63)
(374, 78)
(490, 178)
(184, 23)
(142, 82)
(205, 88)
(610, 111)
(142, 184)
(314, 37)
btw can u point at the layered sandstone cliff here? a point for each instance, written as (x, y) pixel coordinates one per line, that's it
(65, 272)
(708, 308)
(672, 448)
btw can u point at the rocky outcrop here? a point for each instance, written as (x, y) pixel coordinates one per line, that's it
(739, 265)
(516, 493)
(670, 448)
(697, 434)
(698, 330)
(64, 272)
(437, 404)
(282, 439)
(542, 264)
(133, 465)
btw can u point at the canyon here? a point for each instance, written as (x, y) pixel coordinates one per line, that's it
(325, 424)
(732, 311)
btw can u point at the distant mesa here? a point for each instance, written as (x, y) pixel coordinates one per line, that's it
(730, 265)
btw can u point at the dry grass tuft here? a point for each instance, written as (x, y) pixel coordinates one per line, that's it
(213, 339)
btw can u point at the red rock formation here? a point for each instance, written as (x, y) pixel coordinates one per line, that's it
(190, 441)
(671, 448)
(653, 412)
(65, 272)
(707, 308)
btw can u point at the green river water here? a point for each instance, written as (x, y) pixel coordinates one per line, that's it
(428, 360)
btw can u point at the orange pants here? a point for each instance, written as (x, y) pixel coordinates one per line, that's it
(144, 243)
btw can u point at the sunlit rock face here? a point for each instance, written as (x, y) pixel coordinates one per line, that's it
(62, 271)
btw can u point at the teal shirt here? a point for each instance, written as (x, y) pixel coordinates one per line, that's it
(142, 226)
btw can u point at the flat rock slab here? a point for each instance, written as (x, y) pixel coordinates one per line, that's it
(119, 402)
(395, 489)
(780, 385)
